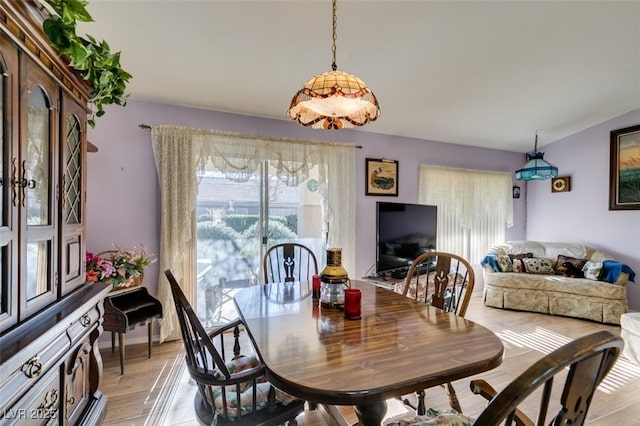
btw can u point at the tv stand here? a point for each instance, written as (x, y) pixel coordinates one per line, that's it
(383, 281)
(399, 274)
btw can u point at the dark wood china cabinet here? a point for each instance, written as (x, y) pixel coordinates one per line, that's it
(50, 318)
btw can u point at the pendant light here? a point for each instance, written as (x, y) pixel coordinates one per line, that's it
(334, 99)
(536, 168)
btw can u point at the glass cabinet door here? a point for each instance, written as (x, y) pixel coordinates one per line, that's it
(8, 195)
(73, 158)
(38, 270)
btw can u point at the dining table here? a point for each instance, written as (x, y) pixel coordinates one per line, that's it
(398, 345)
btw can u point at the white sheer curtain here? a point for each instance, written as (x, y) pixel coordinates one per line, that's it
(174, 153)
(182, 152)
(474, 207)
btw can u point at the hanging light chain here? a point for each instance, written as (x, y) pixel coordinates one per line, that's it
(335, 26)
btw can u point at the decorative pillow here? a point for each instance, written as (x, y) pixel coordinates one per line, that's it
(435, 417)
(593, 270)
(504, 264)
(520, 255)
(534, 265)
(518, 266)
(569, 266)
(516, 260)
(239, 364)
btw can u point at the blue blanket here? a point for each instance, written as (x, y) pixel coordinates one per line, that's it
(613, 269)
(490, 260)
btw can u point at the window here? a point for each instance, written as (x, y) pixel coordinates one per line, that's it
(190, 160)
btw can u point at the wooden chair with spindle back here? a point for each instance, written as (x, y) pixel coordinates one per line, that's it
(289, 262)
(232, 388)
(444, 280)
(560, 387)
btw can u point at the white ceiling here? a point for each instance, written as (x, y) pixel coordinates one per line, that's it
(476, 73)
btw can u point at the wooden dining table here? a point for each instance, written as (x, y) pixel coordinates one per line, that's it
(397, 347)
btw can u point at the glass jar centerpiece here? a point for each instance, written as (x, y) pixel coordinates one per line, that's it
(333, 280)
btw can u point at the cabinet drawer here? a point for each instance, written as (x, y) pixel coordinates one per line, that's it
(21, 372)
(40, 406)
(82, 325)
(22, 377)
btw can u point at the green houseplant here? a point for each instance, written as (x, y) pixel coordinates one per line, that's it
(92, 59)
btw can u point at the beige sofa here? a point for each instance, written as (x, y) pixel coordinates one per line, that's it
(593, 299)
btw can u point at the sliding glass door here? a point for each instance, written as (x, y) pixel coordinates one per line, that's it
(237, 218)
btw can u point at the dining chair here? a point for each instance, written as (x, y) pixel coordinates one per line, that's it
(577, 368)
(288, 262)
(444, 280)
(232, 388)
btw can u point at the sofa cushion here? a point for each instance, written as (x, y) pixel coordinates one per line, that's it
(534, 265)
(555, 285)
(548, 250)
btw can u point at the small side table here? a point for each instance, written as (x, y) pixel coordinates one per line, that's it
(126, 309)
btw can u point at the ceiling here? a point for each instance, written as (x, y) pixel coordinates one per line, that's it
(483, 74)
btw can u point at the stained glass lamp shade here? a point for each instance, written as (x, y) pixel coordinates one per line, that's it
(334, 99)
(536, 168)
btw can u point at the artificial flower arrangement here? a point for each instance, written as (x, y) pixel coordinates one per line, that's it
(120, 267)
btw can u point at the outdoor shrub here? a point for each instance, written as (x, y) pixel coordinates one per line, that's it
(240, 222)
(215, 231)
(277, 231)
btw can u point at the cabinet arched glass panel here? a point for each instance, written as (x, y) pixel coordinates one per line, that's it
(35, 184)
(72, 177)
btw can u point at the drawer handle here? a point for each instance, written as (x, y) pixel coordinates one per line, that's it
(32, 368)
(85, 320)
(50, 400)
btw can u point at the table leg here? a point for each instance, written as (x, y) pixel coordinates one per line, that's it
(371, 414)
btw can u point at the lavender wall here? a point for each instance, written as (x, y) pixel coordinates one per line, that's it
(582, 215)
(122, 196)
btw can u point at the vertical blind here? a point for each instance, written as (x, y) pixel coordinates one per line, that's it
(474, 207)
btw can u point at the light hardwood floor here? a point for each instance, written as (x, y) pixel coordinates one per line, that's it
(157, 391)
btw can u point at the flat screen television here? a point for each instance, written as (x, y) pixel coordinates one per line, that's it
(403, 232)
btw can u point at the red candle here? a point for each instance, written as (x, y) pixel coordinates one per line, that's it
(352, 297)
(316, 286)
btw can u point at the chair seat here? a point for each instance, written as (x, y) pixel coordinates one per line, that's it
(433, 417)
(281, 414)
(237, 365)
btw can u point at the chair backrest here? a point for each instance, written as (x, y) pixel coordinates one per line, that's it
(289, 262)
(589, 359)
(444, 280)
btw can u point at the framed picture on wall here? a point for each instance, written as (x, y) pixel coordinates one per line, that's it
(624, 172)
(381, 177)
